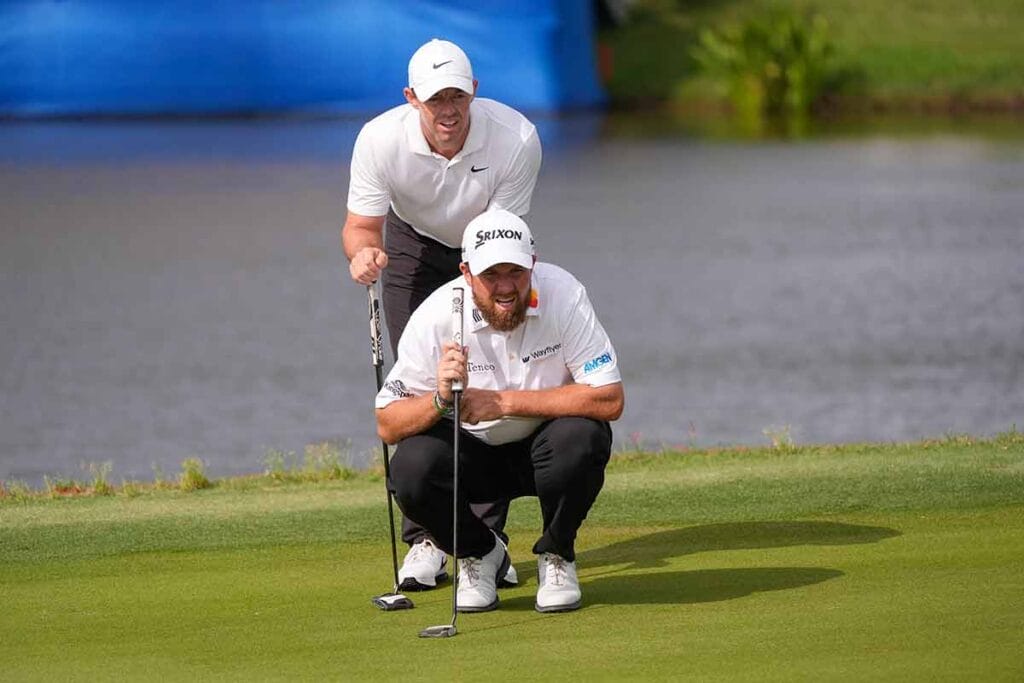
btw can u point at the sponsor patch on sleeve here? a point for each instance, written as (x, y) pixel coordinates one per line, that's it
(597, 363)
(397, 388)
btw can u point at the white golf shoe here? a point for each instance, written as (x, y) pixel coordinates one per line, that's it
(423, 567)
(558, 589)
(478, 579)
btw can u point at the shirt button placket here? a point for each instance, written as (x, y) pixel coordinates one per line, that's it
(515, 368)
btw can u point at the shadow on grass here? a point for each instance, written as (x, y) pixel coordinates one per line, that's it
(706, 585)
(688, 587)
(621, 586)
(653, 550)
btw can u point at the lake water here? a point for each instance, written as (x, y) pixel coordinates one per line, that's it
(170, 290)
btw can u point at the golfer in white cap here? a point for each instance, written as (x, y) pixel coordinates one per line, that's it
(425, 169)
(541, 385)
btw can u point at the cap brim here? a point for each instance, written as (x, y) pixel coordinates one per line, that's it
(427, 89)
(484, 259)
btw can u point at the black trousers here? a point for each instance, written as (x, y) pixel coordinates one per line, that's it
(562, 463)
(418, 265)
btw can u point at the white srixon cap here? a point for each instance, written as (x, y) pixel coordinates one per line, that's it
(495, 237)
(437, 65)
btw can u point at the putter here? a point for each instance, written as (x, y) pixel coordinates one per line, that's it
(393, 600)
(449, 630)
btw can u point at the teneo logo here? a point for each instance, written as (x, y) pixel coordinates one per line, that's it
(541, 353)
(481, 367)
(397, 388)
(501, 234)
(594, 364)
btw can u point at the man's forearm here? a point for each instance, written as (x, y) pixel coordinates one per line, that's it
(360, 232)
(573, 400)
(406, 417)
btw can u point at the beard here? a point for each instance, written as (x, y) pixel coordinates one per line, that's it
(500, 319)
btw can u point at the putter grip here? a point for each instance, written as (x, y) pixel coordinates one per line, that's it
(376, 337)
(458, 294)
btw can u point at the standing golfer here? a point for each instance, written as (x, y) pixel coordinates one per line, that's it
(426, 168)
(542, 382)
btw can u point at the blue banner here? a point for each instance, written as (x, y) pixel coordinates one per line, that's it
(88, 57)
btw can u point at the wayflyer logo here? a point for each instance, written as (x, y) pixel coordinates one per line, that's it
(542, 353)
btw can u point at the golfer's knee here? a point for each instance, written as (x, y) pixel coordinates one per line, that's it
(577, 444)
(416, 464)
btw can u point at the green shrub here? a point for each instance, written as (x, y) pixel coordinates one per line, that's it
(324, 462)
(15, 490)
(193, 475)
(276, 464)
(776, 63)
(780, 438)
(101, 478)
(60, 487)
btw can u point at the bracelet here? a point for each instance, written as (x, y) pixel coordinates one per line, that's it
(442, 406)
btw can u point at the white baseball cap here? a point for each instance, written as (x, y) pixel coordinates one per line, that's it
(497, 236)
(437, 65)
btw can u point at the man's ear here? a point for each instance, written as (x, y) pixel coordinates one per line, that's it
(410, 97)
(464, 267)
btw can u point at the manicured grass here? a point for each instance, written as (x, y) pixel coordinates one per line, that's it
(826, 563)
(921, 52)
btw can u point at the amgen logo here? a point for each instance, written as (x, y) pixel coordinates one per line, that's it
(594, 364)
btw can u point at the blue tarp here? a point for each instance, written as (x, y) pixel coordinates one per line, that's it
(81, 57)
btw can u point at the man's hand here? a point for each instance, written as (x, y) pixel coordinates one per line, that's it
(451, 367)
(480, 405)
(366, 265)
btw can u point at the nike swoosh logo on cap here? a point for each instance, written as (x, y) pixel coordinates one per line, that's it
(438, 66)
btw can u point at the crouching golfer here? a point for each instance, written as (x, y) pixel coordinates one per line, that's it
(541, 383)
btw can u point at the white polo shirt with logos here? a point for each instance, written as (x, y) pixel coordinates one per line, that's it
(392, 165)
(560, 342)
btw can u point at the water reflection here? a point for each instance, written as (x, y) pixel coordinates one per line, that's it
(177, 289)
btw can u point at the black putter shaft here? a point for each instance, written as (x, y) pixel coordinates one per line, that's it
(458, 294)
(377, 351)
(391, 503)
(457, 397)
(449, 630)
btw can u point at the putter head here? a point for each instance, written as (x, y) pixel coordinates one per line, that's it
(443, 631)
(392, 601)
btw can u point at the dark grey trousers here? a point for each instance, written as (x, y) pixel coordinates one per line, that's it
(562, 463)
(418, 265)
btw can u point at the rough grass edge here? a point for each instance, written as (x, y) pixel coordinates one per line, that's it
(322, 464)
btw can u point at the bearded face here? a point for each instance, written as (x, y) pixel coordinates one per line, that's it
(503, 318)
(502, 293)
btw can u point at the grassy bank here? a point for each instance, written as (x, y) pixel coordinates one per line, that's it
(843, 563)
(931, 55)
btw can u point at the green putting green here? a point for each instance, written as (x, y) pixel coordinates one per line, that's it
(852, 563)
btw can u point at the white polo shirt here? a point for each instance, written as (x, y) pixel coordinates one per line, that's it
(392, 165)
(561, 342)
